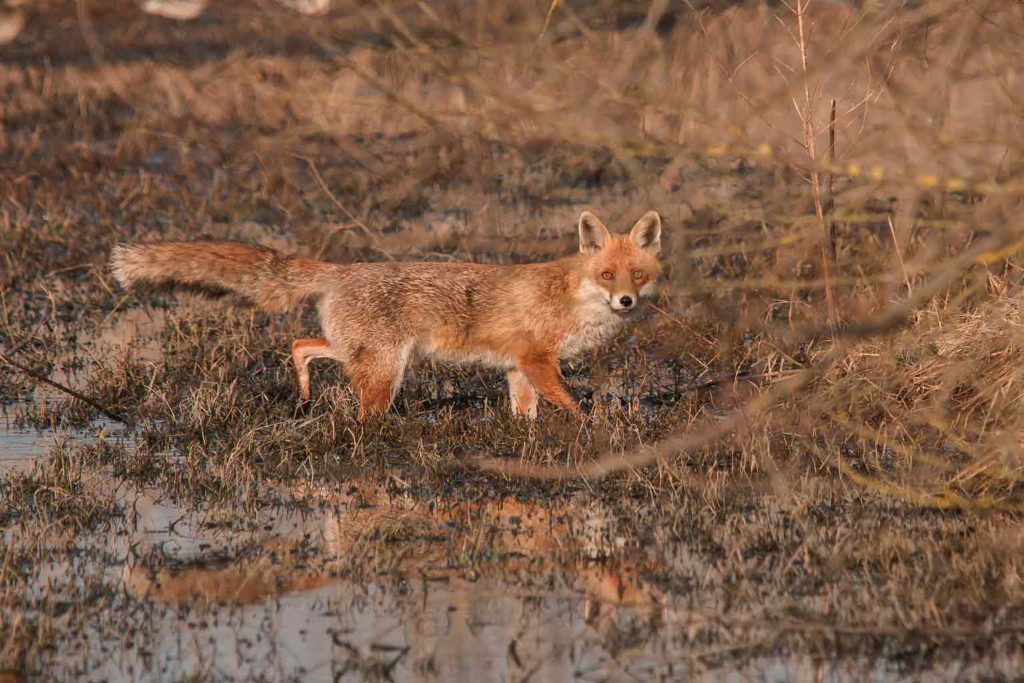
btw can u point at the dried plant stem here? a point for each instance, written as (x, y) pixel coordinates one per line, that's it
(65, 389)
(89, 36)
(830, 195)
(355, 222)
(547, 18)
(812, 155)
(899, 256)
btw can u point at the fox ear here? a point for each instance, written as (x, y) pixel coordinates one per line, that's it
(594, 236)
(647, 232)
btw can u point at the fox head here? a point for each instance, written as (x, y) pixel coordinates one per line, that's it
(621, 268)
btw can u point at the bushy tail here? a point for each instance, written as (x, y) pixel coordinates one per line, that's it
(272, 281)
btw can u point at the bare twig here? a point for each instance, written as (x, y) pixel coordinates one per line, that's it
(4, 358)
(355, 222)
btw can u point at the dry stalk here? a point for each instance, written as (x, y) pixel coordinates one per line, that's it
(113, 415)
(899, 255)
(88, 30)
(830, 194)
(355, 222)
(806, 115)
(547, 19)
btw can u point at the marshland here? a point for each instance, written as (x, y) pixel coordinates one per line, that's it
(802, 461)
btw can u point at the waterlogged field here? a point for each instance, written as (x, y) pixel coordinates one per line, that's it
(814, 457)
(131, 557)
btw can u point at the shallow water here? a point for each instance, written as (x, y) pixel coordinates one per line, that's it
(365, 581)
(184, 601)
(133, 332)
(296, 615)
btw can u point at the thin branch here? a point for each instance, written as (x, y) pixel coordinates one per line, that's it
(4, 358)
(334, 200)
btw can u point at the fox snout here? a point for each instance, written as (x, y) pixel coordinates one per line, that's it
(623, 302)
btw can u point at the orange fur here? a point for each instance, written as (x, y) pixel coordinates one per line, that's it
(377, 317)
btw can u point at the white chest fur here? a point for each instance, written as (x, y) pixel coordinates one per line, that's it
(595, 321)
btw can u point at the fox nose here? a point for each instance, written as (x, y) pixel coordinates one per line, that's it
(626, 301)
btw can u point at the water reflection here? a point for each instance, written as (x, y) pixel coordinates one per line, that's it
(475, 591)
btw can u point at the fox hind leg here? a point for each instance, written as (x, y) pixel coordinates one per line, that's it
(303, 351)
(522, 396)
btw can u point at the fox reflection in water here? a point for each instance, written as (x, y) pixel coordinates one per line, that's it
(524, 550)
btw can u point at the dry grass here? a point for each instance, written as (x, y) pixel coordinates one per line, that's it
(841, 489)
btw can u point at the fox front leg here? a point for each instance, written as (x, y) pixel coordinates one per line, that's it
(544, 375)
(522, 396)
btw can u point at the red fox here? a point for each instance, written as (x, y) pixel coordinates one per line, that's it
(377, 316)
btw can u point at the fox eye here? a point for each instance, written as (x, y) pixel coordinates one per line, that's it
(607, 275)
(638, 274)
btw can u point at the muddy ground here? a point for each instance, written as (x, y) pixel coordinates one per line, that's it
(193, 520)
